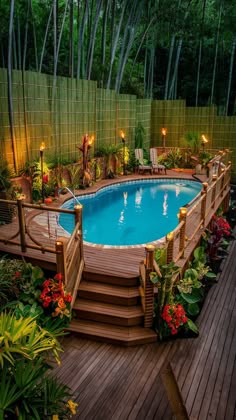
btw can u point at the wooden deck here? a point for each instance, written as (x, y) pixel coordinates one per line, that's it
(112, 382)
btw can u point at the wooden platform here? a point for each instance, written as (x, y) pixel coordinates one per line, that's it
(112, 382)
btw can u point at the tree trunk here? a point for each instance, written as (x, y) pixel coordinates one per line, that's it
(9, 84)
(81, 32)
(71, 49)
(93, 39)
(172, 44)
(230, 74)
(19, 43)
(216, 54)
(175, 73)
(141, 44)
(34, 38)
(103, 42)
(45, 38)
(26, 36)
(200, 53)
(130, 32)
(58, 47)
(114, 46)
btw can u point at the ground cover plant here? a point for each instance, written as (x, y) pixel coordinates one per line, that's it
(34, 310)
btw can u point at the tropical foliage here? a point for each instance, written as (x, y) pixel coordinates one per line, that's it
(180, 298)
(33, 312)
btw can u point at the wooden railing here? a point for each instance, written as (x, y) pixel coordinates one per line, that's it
(181, 242)
(36, 228)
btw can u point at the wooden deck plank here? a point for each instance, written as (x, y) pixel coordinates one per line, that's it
(112, 382)
(104, 405)
(97, 381)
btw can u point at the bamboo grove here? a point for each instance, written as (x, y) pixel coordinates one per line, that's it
(157, 49)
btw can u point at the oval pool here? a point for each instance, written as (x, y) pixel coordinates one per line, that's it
(133, 212)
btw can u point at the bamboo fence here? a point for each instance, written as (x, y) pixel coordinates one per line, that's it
(60, 115)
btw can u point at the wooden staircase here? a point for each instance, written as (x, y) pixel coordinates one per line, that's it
(108, 309)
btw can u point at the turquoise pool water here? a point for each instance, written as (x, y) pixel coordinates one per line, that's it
(132, 213)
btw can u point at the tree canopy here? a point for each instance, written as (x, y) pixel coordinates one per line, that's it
(183, 49)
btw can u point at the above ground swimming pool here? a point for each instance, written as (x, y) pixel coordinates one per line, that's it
(133, 212)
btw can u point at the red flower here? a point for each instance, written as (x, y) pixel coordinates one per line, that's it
(175, 316)
(68, 298)
(17, 274)
(45, 179)
(46, 283)
(55, 296)
(58, 277)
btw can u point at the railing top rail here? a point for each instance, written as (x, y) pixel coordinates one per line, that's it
(47, 208)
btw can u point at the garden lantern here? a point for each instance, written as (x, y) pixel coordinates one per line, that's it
(204, 141)
(163, 137)
(42, 148)
(122, 134)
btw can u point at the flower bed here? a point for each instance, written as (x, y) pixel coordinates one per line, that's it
(179, 300)
(33, 313)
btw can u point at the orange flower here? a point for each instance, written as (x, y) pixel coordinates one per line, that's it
(61, 303)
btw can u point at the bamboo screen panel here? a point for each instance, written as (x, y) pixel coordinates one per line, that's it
(224, 136)
(174, 121)
(5, 138)
(37, 113)
(201, 120)
(73, 115)
(18, 145)
(106, 129)
(143, 115)
(157, 121)
(171, 115)
(126, 117)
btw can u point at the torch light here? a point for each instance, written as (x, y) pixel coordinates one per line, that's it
(163, 137)
(42, 148)
(122, 134)
(204, 141)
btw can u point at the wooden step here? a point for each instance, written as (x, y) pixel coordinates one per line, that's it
(108, 313)
(126, 336)
(116, 280)
(102, 292)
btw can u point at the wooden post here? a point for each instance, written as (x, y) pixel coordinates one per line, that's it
(222, 182)
(61, 244)
(203, 206)
(149, 287)
(213, 196)
(182, 218)
(78, 218)
(21, 224)
(225, 203)
(170, 247)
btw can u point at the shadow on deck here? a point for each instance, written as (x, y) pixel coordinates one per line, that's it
(112, 382)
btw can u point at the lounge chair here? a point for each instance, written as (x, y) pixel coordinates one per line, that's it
(155, 165)
(142, 166)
